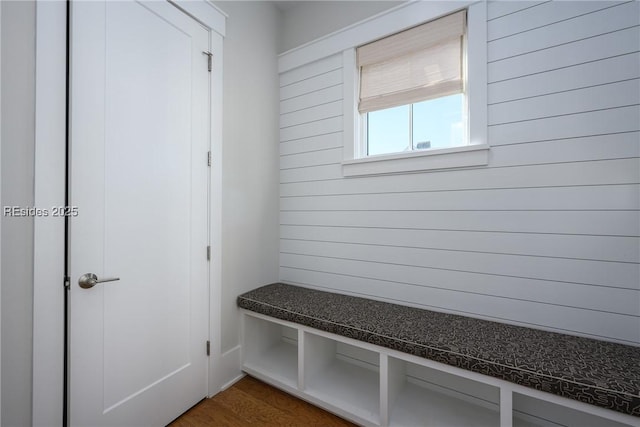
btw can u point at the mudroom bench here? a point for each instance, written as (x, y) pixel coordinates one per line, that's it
(383, 364)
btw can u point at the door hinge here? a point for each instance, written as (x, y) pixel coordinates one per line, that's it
(209, 59)
(208, 348)
(208, 253)
(209, 158)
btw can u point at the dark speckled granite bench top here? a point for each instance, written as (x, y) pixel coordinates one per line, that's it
(596, 372)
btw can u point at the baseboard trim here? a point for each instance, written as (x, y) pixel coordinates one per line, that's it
(230, 367)
(233, 381)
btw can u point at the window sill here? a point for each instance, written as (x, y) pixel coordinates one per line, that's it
(435, 159)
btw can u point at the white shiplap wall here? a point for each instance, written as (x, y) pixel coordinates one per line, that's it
(547, 235)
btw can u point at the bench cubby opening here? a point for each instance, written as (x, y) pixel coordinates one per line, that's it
(531, 412)
(419, 395)
(271, 349)
(342, 375)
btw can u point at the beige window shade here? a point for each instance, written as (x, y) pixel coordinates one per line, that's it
(421, 63)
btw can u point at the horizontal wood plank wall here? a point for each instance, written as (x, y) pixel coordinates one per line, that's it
(546, 236)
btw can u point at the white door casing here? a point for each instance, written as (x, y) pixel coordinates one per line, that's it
(139, 179)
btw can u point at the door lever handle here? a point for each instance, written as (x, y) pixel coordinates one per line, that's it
(89, 280)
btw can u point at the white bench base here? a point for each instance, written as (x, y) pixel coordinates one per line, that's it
(376, 386)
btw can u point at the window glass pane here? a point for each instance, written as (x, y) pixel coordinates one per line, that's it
(437, 123)
(388, 131)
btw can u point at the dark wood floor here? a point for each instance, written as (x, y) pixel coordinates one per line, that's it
(250, 402)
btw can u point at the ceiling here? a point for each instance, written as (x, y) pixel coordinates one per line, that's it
(286, 4)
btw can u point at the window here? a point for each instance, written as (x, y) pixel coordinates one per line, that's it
(437, 124)
(434, 123)
(412, 89)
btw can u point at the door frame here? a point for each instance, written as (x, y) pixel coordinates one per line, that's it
(50, 182)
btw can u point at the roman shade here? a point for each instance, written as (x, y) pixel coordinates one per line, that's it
(420, 63)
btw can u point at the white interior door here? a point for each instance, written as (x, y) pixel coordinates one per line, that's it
(139, 143)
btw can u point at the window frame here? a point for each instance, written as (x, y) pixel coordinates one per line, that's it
(474, 153)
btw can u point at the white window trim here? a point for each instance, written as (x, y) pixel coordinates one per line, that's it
(476, 153)
(416, 161)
